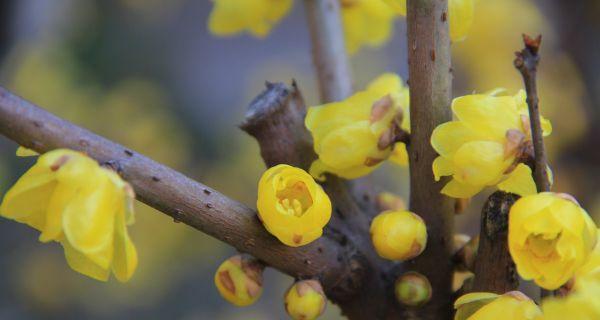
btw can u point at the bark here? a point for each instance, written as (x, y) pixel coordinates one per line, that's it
(430, 91)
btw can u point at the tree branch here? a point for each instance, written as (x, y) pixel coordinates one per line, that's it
(494, 268)
(178, 196)
(328, 49)
(430, 84)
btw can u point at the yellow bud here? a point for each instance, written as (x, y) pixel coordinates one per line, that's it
(71, 199)
(483, 146)
(305, 300)
(257, 17)
(549, 238)
(413, 289)
(352, 137)
(398, 235)
(490, 306)
(390, 201)
(292, 206)
(239, 280)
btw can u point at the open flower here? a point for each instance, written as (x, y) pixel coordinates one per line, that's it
(366, 23)
(239, 280)
(305, 300)
(485, 145)
(398, 235)
(230, 17)
(71, 199)
(461, 15)
(512, 305)
(354, 136)
(292, 206)
(549, 238)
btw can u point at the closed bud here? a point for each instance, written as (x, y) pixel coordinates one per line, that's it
(239, 280)
(398, 235)
(305, 300)
(413, 289)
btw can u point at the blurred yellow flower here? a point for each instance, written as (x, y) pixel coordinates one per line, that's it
(461, 14)
(71, 199)
(581, 304)
(292, 206)
(483, 146)
(354, 136)
(230, 17)
(305, 300)
(366, 23)
(398, 235)
(512, 305)
(549, 238)
(239, 280)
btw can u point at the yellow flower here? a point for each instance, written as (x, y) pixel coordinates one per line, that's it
(461, 15)
(239, 280)
(366, 23)
(71, 199)
(592, 266)
(582, 304)
(398, 235)
(549, 238)
(512, 305)
(354, 136)
(292, 206)
(483, 146)
(230, 17)
(305, 300)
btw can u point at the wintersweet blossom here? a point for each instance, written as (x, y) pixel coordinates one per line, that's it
(398, 235)
(71, 199)
(512, 305)
(485, 145)
(366, 23)
(352, 137)
(292, 206)
(257, 17)
(239, 280)
(305, 300)
(549, 237)
(460, 16)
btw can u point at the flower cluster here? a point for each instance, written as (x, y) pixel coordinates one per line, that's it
(352, 137)
(71, 199)
(486, 145)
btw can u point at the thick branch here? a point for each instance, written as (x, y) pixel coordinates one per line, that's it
(494, 268)
(526, 62)
(430, 90)
(174, 194)
(328, 49)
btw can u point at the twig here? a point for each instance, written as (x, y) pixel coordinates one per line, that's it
(328, 49)
(526, 62)
(180, 197)
(430, 93)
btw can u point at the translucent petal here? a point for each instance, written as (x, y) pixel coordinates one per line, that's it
(520, 181)
(488, 116)
(399, 155)
(125, 258)
(461, 16)
(62, 195)
(442, 167)
(448, 137)
(460, 190)
(80, 263)
(479, 162)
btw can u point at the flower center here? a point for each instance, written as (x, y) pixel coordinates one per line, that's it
(542, 245)
(294, 198)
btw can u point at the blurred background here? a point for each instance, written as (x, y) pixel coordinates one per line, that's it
(147, 74)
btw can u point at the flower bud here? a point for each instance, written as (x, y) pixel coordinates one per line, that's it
(305, 300)
(390, 201)
(549, 238)
(488, 306)
(239, 280)
(413, 289)
(292, 206)
(398, 235)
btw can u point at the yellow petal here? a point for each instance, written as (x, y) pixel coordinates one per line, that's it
(125, 255)
(80, 263)
(460, 190)
(24, 152)
(520, 181)
(399, 155)
(367, 23)
(230, 17)
(448, 137)
(442, 167)
(479, 162)
(461, 16)
(488, 116)
(62, 195)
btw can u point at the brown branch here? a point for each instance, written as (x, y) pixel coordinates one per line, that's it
(494, 268)
(328, 49)
(178, 196)
(430, 83)
(526, 62)
(276, 120)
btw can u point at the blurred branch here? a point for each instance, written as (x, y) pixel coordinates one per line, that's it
(494, 268)
(178, 196)
(430, 92)
(328, 49)
(526, 62)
